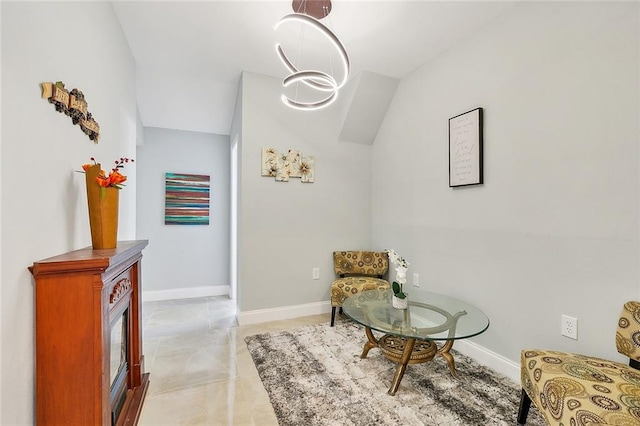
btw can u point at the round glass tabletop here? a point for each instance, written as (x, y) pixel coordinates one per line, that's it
(429, 316)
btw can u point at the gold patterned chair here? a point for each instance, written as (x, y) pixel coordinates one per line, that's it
(575, 390)
(357, 271)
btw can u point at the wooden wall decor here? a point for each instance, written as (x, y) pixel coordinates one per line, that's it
(74, 105)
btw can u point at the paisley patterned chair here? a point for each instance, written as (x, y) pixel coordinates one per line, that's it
(575, 390)
(358, 271)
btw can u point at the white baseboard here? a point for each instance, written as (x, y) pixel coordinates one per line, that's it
(488, 358)
(484, 356)
(184, 293)
(283, 313)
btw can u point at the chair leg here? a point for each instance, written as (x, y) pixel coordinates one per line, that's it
(340, 310)
(333, 315)
(523, 411)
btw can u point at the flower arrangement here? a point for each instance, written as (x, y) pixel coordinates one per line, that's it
(401, 267)
(115, 179)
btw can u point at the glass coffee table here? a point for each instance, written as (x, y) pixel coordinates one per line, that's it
(411, 334)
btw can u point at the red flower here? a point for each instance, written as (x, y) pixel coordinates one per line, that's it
(115, 178)
(85, 167)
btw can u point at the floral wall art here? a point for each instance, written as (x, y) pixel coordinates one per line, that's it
(186, 199)
(289, 164)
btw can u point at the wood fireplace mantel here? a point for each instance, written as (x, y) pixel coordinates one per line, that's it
(78, 297)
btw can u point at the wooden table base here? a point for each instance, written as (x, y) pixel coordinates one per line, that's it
(406, 351)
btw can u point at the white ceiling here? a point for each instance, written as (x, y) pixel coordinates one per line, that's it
(190, 55)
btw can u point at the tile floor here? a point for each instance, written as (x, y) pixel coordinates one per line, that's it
(201, 371)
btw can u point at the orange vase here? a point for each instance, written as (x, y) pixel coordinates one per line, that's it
(103, 211)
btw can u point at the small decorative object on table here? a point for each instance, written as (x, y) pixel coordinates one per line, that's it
(399, 299)
(102, 197)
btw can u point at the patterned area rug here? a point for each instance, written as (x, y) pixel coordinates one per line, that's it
(314, 376)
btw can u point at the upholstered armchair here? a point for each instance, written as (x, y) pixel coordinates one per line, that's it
(571, 389)
(357, 271)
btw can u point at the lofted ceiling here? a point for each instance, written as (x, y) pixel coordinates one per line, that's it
(190, 54)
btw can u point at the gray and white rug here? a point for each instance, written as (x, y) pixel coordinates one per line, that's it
(314, 376)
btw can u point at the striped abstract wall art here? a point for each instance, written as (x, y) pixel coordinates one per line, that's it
(186, 199)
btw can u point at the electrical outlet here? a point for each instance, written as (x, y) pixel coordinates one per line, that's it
(416, 280)
(570, 327)
(315, 273)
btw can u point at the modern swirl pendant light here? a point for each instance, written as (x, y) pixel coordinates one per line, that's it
(309, 13)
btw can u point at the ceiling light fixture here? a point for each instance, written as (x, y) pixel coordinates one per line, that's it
(308, 12)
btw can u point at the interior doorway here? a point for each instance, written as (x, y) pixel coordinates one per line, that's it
(233, 241)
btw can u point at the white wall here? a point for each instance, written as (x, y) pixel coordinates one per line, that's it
(554, 229)
(288, 228)
(199, 95)
(43, 199)
(183, 261)
(236, 197)
(1, 327)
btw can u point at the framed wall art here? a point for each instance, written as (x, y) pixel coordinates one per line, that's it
(269, 162)
(307, 168)
(186, 199)
(465, 149)
(289, 164)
